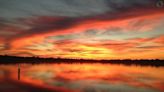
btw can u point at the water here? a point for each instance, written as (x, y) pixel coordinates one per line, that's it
(81, 78)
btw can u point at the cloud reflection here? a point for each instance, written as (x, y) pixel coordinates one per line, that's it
(85, 77)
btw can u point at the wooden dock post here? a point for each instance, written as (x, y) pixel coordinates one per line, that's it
(18, 72)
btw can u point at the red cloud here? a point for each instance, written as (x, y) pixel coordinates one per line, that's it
(43, 27)
(159, 39)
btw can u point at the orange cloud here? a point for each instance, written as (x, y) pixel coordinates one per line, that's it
(43, 27)
(53, 26)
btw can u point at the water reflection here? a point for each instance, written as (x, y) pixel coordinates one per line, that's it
(83, 78)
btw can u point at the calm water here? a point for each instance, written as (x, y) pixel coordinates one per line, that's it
(81, 78)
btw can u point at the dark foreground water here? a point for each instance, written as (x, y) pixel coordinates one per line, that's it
(81, 78)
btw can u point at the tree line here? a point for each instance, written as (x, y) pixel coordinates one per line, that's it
(5, 59)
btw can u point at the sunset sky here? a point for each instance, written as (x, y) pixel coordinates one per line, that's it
(89, 29)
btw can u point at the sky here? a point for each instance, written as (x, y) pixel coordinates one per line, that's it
(87, 29)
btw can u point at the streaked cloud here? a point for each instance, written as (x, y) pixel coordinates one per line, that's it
(83, 29)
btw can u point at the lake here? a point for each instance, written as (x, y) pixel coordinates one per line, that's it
(81, 78)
